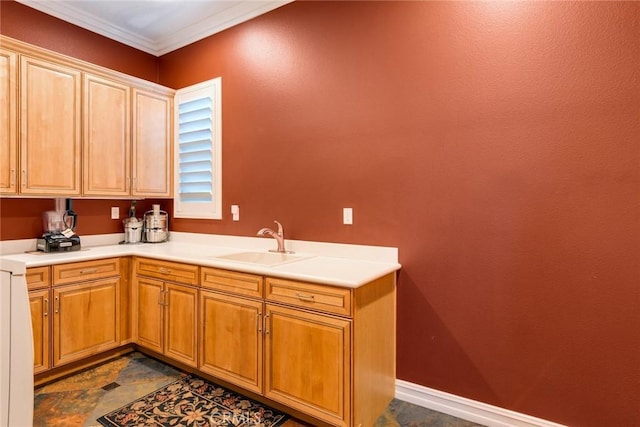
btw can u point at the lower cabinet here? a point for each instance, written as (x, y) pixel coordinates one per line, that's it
(165, 314)
(86, 319)
(231, 334)
(75, 311)
(308, 360)
(39, 286)
(39, 303)
(86, 309)
(326, 351)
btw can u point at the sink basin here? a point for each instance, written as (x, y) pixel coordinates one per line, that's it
(268, 259)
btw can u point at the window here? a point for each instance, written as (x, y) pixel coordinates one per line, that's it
(198, 150)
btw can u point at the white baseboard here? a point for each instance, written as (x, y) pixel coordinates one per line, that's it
(466, 409)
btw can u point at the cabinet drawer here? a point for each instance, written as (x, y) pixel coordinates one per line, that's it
(86, 270)
(229, 281)
(38, 277)
(316, 297)
(166, 270)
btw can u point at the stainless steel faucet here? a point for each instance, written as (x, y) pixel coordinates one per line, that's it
(278, 235)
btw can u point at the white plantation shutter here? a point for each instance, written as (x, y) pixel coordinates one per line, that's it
(198, 148)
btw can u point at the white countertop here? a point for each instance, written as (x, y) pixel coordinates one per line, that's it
(329, 263)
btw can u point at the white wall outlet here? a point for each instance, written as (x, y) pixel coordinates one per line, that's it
(115, 212)
(235, 212)
(347, 216)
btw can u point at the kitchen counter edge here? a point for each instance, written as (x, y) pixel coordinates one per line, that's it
(336, 271)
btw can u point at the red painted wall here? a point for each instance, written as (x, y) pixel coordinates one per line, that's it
(22, 218)
(495, 143)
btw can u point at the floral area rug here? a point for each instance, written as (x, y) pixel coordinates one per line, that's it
(193, 401)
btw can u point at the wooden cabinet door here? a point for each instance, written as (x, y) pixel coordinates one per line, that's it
(181, 323)
(307, 363)
(40, 308)
(231, 339)
(8, 122)
(86, 319)
(152, 160)
(50, 123)
(148, 312)
(106, 137)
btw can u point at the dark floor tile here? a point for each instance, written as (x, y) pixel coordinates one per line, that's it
(80, 399)
(65, 408)
(406, 414)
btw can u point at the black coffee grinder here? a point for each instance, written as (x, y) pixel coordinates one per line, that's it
(59, 229)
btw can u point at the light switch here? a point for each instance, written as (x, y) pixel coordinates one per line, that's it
(115, 212)
(347, 216)
(235, 212)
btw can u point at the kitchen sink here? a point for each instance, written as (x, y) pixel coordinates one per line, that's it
(268, 259)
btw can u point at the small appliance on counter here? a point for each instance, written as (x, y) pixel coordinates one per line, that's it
(132, 226)
(59, 229)
(156, 225)
(132, 230)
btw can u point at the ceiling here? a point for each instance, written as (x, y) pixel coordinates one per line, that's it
(155, 26)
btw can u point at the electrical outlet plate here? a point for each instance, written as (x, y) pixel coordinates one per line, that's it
(115, 212)
(347, 216)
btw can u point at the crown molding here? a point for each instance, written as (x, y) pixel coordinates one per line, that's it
(240, 11)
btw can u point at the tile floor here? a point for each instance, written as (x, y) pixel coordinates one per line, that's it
(80, 399)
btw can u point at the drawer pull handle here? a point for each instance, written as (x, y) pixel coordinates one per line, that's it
(164, 270)
(46, 307)
(258, 322)
(57, 305)
(307, 298)
(89, 271)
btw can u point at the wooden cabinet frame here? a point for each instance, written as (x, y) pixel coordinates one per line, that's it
(106, 142)
(238, 323)
(165, 313)
(325, 351)
(8, 122)
(313, 350)
(50, 127)
(86, 319)
(108, 134)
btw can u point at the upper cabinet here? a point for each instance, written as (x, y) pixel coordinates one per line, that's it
(49, 128)
(8, 121)
(152, 124)
(77, 129)
(106, 137)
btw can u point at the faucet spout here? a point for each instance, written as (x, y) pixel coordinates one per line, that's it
(278, 235)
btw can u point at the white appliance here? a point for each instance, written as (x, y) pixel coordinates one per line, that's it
(16, 347)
